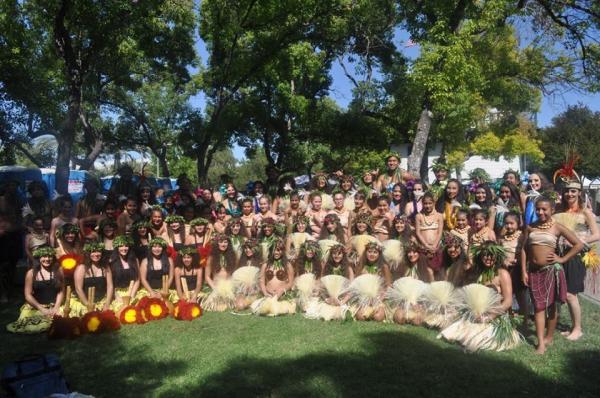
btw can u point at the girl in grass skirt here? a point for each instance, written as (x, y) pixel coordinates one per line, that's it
(44, 294)
(245, 277)
(219, 269)
(125, 271)
(153, 268)
(484, 323)
(336, 275)
(365, 292)
(187, 267)
(94, 272)
(276, 281)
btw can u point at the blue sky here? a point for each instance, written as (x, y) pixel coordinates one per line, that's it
(341, 89)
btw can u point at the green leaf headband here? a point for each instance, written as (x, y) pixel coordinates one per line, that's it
(141, 224)
(44, 251)
(311, 245)
(174, 218)
(198, 221)
(122, 240)
(107, 221)
(67, 228)
(439, 165)
(93, 247)
(157, 242)
(187, 251)
(489, 248)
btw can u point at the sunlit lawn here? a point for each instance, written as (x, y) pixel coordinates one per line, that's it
(243, 355)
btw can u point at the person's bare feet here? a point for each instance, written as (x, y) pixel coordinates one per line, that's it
(566, 333)
(575, 335)
(541, 349)
(547, 341)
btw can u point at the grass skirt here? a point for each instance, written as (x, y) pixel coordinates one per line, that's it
(331, 288)
(270, 306)
(221, 298)
(365, 295)
(30, 321)
(481, 325)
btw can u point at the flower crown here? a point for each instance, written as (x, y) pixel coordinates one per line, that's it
(373, 245)
(302, 219)
(267, 221)
(311, 245)
(157, 242)
(364, 218)
(234, 221)
(93, 247)
(451, 240)
(44, 251)
(220, 237)
(122, 240)
(331, 218)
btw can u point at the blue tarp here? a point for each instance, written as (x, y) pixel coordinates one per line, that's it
(76, 181)
(167, 183)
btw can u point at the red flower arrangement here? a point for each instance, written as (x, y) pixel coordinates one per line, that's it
(186, 311)
(64, 328)
(204, 253)
(100, 322)
(131, 315)
(69, 262)
(171, 252)
(153, 309)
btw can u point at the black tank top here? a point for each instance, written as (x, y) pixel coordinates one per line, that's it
(45, 290)
(99, 282)
(190, 279)
(154, 276)
(123, 276)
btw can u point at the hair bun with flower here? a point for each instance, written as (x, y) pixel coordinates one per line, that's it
(174, 219)
(157, 242)
(122, 240)
(93, 247)
(44, 251)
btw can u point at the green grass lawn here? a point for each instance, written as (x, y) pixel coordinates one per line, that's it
(226, 355)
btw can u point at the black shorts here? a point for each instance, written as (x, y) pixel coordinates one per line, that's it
(575, 274)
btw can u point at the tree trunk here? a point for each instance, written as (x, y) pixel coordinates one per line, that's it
(164, 166)
(65, 145)
(420, 143)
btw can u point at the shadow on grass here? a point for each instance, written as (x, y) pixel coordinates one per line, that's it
(108, 365)
(397, 364)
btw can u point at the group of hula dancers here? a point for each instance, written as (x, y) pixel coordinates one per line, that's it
(385, 247)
